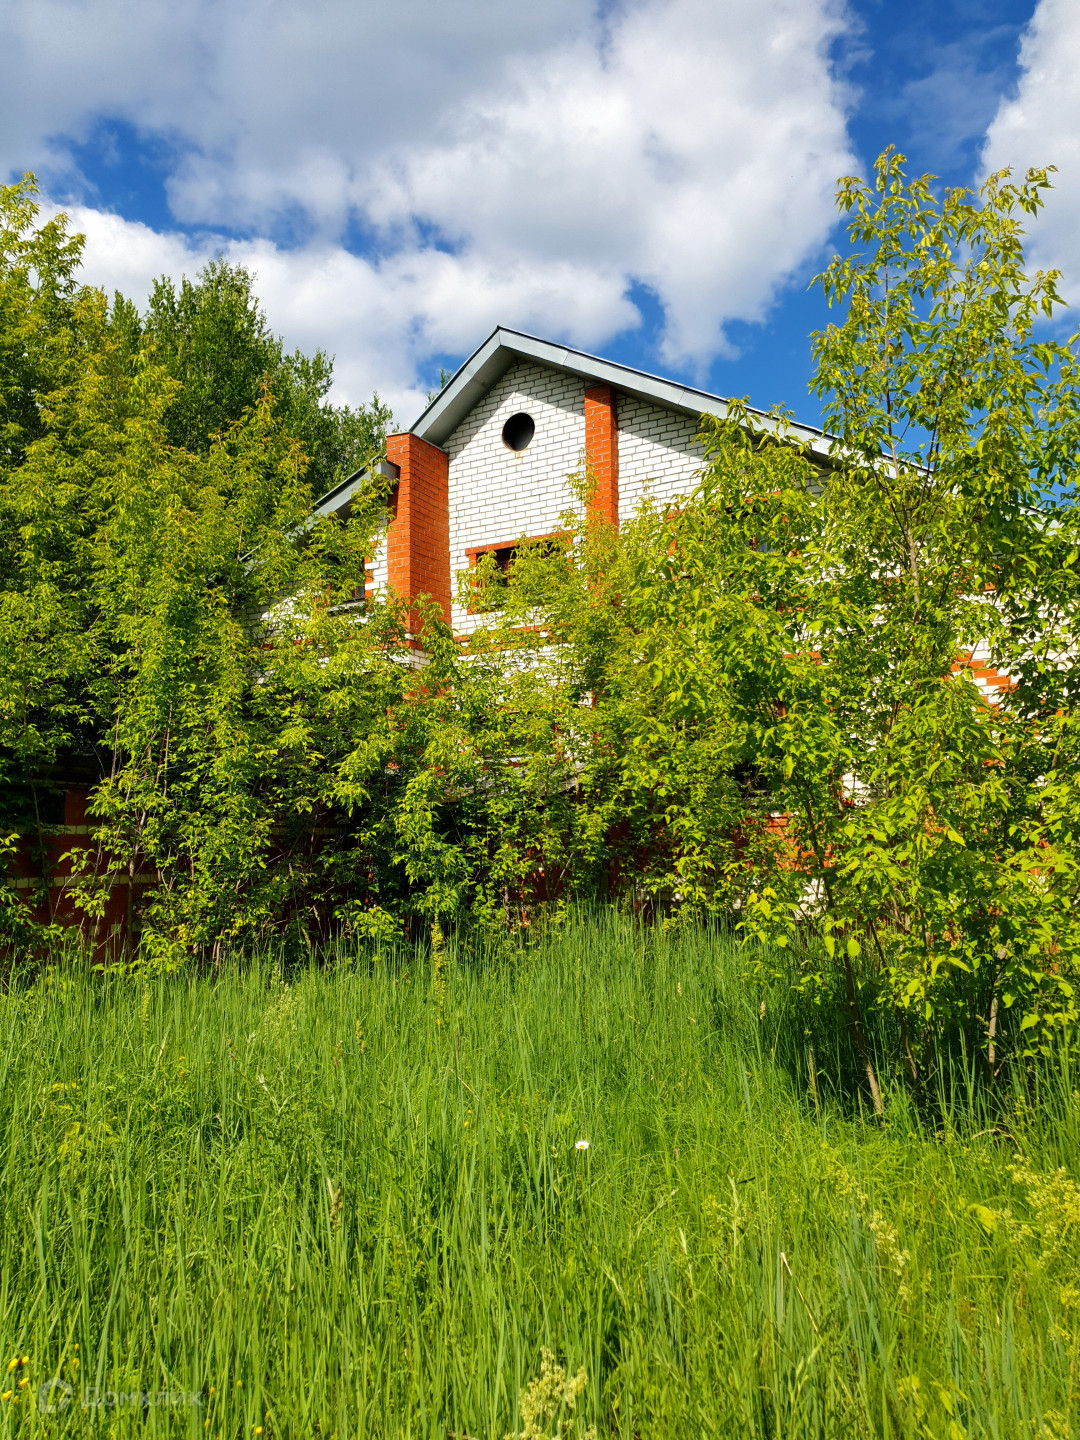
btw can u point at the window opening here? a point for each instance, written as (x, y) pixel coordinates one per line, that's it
(518, 431)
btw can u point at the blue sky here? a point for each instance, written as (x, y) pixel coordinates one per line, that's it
(651, 180)
(927, 78)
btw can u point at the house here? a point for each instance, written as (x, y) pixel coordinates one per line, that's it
(484, 465)
(487, 462)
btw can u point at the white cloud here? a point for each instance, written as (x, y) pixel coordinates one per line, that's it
(699, 157)
(381, 319)
(1040, 125)
(517, 163)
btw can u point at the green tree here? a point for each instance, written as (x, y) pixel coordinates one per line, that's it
(38, 331)
(928, 839)
(136, 582)
(44, 337)
(764, 687)
(213, 337)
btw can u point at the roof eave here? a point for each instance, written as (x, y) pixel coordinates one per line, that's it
(339, 500)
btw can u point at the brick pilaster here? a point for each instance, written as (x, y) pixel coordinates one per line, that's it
(418, 540)
(602, 450)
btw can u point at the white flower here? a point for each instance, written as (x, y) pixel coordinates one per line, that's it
(582, 1145)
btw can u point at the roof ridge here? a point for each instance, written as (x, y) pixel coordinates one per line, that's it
(490, 360)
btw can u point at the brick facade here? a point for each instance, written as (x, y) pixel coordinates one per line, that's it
(495, 495)
(418, 536)
(602, 451)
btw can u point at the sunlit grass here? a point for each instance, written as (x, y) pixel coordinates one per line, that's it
(352, 1203)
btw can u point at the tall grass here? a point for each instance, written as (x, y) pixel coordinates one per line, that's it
(350, 1203)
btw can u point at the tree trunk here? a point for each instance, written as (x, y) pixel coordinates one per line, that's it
(860, 1038)
(991, 1050)
(43, 855)
(909, 1058)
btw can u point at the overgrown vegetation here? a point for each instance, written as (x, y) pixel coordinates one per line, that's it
(351, 1201)
(744, 707)
(779, 1139)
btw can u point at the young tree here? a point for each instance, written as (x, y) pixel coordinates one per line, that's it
(924, 830)
(38, 328)
(45, 332)
(134, 573)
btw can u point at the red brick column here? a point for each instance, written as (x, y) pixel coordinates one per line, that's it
(418, 541)
(602, 450)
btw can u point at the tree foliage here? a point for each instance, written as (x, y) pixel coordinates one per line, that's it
(782, 729)
(136, 576)
(212, 336)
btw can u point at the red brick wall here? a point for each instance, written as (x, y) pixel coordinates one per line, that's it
(602, 450)
(42, 865)
(418, 540)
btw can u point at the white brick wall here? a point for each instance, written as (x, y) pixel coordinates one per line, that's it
(657, 453)
(497, 494)
(378, 569)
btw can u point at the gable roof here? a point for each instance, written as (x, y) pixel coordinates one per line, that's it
(472, 380)
(487, 364)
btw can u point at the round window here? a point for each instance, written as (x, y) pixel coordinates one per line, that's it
(518, 431)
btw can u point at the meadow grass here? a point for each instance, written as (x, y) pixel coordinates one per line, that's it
(348, 1201)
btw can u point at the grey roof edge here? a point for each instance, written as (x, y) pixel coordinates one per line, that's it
(341, 496)
(471, 381)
